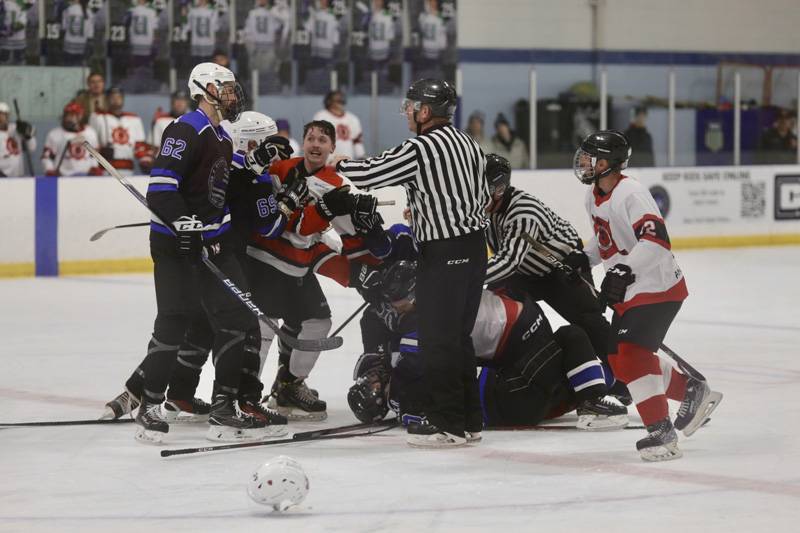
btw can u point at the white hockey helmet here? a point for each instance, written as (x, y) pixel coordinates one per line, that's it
(4, 108)
(251, 126)
(230, 101)
(279, 483)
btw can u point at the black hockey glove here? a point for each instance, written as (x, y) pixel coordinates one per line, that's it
(292, 196)
(364, 214)
(107, 152)
(616, 282)
(336, 202)
(578, 262)
(25, 129)
(367, 281)
(189, 244)
(270, 149)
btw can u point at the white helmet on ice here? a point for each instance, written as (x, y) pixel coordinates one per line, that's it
(251, 126)
(4, 108)
(229, 101)
(279, 483)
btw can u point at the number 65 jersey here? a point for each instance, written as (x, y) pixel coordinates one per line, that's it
(629, 229)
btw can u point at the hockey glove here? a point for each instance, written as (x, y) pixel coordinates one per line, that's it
(189, 244)
(616, 282)
(364, 214)
(25, 129)
(270, 149)
(578, 262)
(367, 280)
(292, 196)
(336, 202)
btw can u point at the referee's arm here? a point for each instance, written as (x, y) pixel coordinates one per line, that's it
(512, 251)
(393, 167)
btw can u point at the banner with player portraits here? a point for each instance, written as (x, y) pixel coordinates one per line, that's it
(432, 43)
(19, 31)
(322, 44)
(377, 45)
(263, 43)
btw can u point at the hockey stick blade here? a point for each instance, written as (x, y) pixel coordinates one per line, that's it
(342, 432)
(306, 345)
(102, 232)
(67, 423)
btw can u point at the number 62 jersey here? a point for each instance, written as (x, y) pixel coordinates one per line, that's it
(629, 229)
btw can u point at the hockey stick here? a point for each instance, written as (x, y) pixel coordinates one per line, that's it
(350, 318)
(553, 260)
(554, 428)
(385, 203)
(342, 432)
(106, 230)
(306, 345)
(28, 159)
(67, 423)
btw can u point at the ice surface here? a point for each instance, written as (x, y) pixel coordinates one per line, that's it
(68, 344)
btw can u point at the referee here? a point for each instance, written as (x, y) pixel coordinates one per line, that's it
(442, 170)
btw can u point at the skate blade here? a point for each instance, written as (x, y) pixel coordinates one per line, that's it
(709, 404)
(426, 441)
(666, 452)
(147, 436)
(601, 423)
(184, 418)
(229, 434)
(298, 415)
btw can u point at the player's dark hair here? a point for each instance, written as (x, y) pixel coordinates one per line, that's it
(331, 95)
(323, 125)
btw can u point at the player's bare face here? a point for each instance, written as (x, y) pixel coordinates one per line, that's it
(97, 85)
(116, 101)
(317, 147)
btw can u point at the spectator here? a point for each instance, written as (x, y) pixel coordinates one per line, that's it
(93, 98)
(178, 106)
(348, 127)
(778, 144)
(12, 135)
(121, 135)
(283, 131)
(505, 143)
(64, 153)
(221, 58)
(475, 130)
(640, 140)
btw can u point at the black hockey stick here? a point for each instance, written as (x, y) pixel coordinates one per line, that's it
(556, 428)
(350, 318)
(67, 423)
(306, 345)
(569, 271)
(341, 432)
(102, 232)
(28, 159)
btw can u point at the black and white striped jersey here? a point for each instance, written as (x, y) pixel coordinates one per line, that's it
(525, 213)
(442, 171)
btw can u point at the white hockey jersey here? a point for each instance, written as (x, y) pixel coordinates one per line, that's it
(11, 157)
(381, 35)
(67, 148)
(262, 28)
(13, 26)
(349, 135)
(496, 317)
(629, 229)
(323, 27)
(142, 32)
(125, 133)
(78, 28)
(203, 24)
(434, 35)
(159, 126)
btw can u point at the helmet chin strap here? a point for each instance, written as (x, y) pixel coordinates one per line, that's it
(215, 101)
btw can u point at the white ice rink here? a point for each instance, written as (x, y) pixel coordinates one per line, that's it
(68, 344)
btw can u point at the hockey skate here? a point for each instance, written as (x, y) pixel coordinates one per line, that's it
(294, 400)
(427, 435)
(228, 424)
(600, 414)
(123, 404)
(150, 426)
(697, 405)
(179, 411)
(661, 443)
(275, 423)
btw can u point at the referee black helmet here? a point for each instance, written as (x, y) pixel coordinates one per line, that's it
(498, 173)
(439, 95)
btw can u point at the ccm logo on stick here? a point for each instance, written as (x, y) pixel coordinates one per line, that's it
(458, 261)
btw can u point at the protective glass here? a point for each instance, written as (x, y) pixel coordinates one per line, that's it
(407, 104)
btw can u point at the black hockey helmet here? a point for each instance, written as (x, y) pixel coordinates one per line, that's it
(498, 172)
(439, 95)
(367, 397)
(611, 145)
(400, 281)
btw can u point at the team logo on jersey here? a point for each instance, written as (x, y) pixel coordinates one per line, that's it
(342, 132)
(119, 135)
(605, 241)
(12, 146)
(218, 182)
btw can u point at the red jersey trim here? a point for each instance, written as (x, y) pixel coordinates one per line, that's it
(658, 228)
(513, 310)
(676, 293)
(600, 199)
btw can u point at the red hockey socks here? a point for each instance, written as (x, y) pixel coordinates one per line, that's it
(640, 369)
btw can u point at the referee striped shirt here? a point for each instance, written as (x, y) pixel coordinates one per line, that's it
(525, 213)
(442, 170)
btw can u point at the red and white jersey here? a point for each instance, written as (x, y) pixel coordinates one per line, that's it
(349, 135)
(497, 315)
(629, 229)
(125, 133)
(11, 156)
(67, 147)
(159, 125)
(302, 246)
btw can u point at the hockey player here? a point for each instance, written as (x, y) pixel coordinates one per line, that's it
(63, 153)
(178, 106)
(77, 25)
(283, 269)
(530, 372)
(121, 135)
(187, 190)
(349, 135)
(12, 135)
(645, 287)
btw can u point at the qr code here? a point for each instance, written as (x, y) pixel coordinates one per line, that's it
(754, 201)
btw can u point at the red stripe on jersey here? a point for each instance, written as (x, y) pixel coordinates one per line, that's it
(513, 310)
(336, 267)
(283, 250)
(311, 222)
(676, 293)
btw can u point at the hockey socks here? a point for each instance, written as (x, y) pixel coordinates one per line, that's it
(641, 370)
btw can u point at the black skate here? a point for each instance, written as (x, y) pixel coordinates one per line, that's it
(194, 410)
(275, 423)
(661, 442)
(150, 426)
(600, 414)
(427, 435)
(294, 400)
(228, 424)
(697, 405)
(123, 404)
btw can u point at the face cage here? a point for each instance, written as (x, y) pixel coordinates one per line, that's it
(583, 165)
(232, 100)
